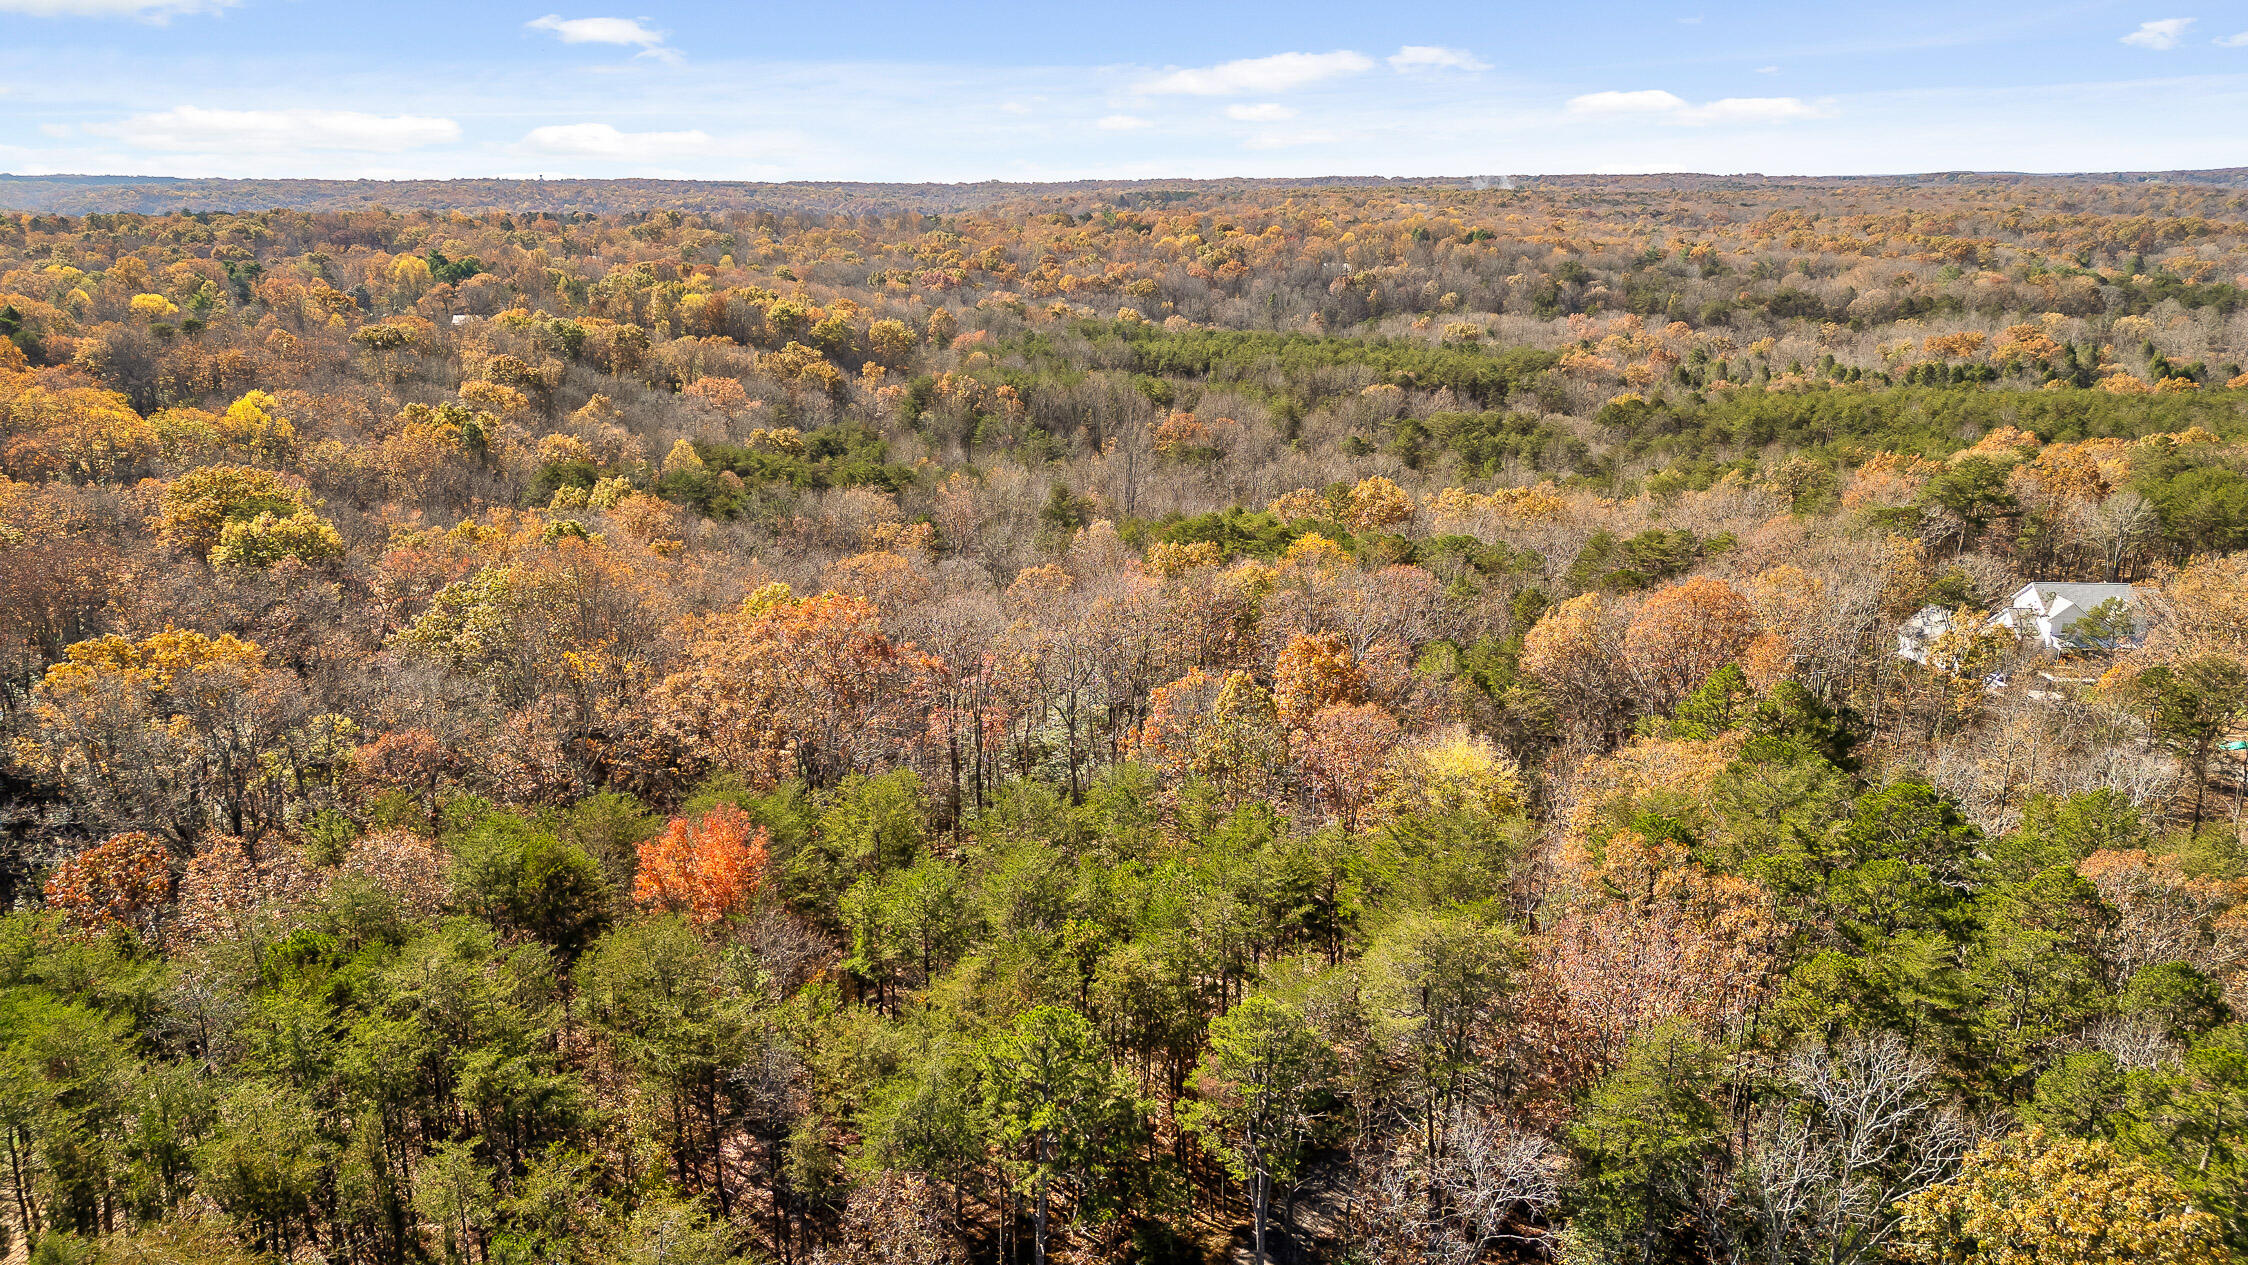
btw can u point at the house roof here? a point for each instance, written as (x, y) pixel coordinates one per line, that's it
(2046, 597)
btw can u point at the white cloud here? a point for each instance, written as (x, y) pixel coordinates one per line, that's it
(1120, 123)
(1755, 110)
(1668, 107)
(194, 128)
(600, 140)
(2233, 41)
(60, 131)
(1649, 101)
(1767, 70)
(1421, 57)
(1259, 75)
(1289, 140)
(2160, 35)
(1268, 112)
(622, 32)
(148, 10)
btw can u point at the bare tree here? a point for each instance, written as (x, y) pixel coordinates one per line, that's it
(2136, 1044)
(1866, 1124)
(2116, 528)
(1498, 1183)
(1489, 1183)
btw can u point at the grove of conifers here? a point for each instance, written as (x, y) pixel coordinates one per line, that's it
(1160, 722)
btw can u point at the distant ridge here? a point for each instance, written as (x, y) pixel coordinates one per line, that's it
(81, 194)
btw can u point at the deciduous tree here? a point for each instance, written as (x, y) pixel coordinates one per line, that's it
(708, 869)
(2032, 1196)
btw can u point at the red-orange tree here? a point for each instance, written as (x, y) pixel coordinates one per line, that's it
(706, 869)
(119, 885)
(1344, 751)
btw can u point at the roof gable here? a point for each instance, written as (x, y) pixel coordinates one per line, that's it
(2046, 597)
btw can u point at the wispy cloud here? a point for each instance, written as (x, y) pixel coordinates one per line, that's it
(622, 32)
(1669, 107)
(2159, 35)
(193, 128)
(1120, 123)
(1267, 112)
(601, 140)
(1252, 76)
(1289, 140)
(1418, 58)
(2232, 41)
(146, 10)
(1647, 101)
(1755, 110)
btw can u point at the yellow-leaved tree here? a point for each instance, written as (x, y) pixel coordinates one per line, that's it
(180, 732)
(2034, 1198)
(243, 516)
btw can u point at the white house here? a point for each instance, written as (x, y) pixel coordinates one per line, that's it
(2044, 612)
(2047, 612)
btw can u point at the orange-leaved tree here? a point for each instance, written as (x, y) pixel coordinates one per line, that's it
(119, 885)
(1344, 751)
(788, 686)
(1222, 730)
(1315, 671)
(1575, 652)
(706, 869)
(1684, 633)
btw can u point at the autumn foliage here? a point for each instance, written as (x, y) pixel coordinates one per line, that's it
(707, 868)
(2034, 1197)
(122, 884)
(1683, 633)
(789, 686)
(823, 722)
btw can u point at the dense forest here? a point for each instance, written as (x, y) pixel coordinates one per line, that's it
(1161, 722)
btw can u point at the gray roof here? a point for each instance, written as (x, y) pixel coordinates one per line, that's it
(2088, 595)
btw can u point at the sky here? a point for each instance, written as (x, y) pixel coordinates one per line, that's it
(1012, 90)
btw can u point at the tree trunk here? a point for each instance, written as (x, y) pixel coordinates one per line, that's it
(717, 1149)
(1263, 1198)
(1038, 1228)
(19, 1182)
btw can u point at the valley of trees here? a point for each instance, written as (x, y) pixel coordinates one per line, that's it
(1169, 722)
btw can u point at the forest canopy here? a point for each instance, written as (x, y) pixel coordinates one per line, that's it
(1162, 721)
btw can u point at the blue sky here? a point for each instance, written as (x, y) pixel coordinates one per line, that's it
(1022, 91)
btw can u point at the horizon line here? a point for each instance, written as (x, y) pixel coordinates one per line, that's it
(2210, 173)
